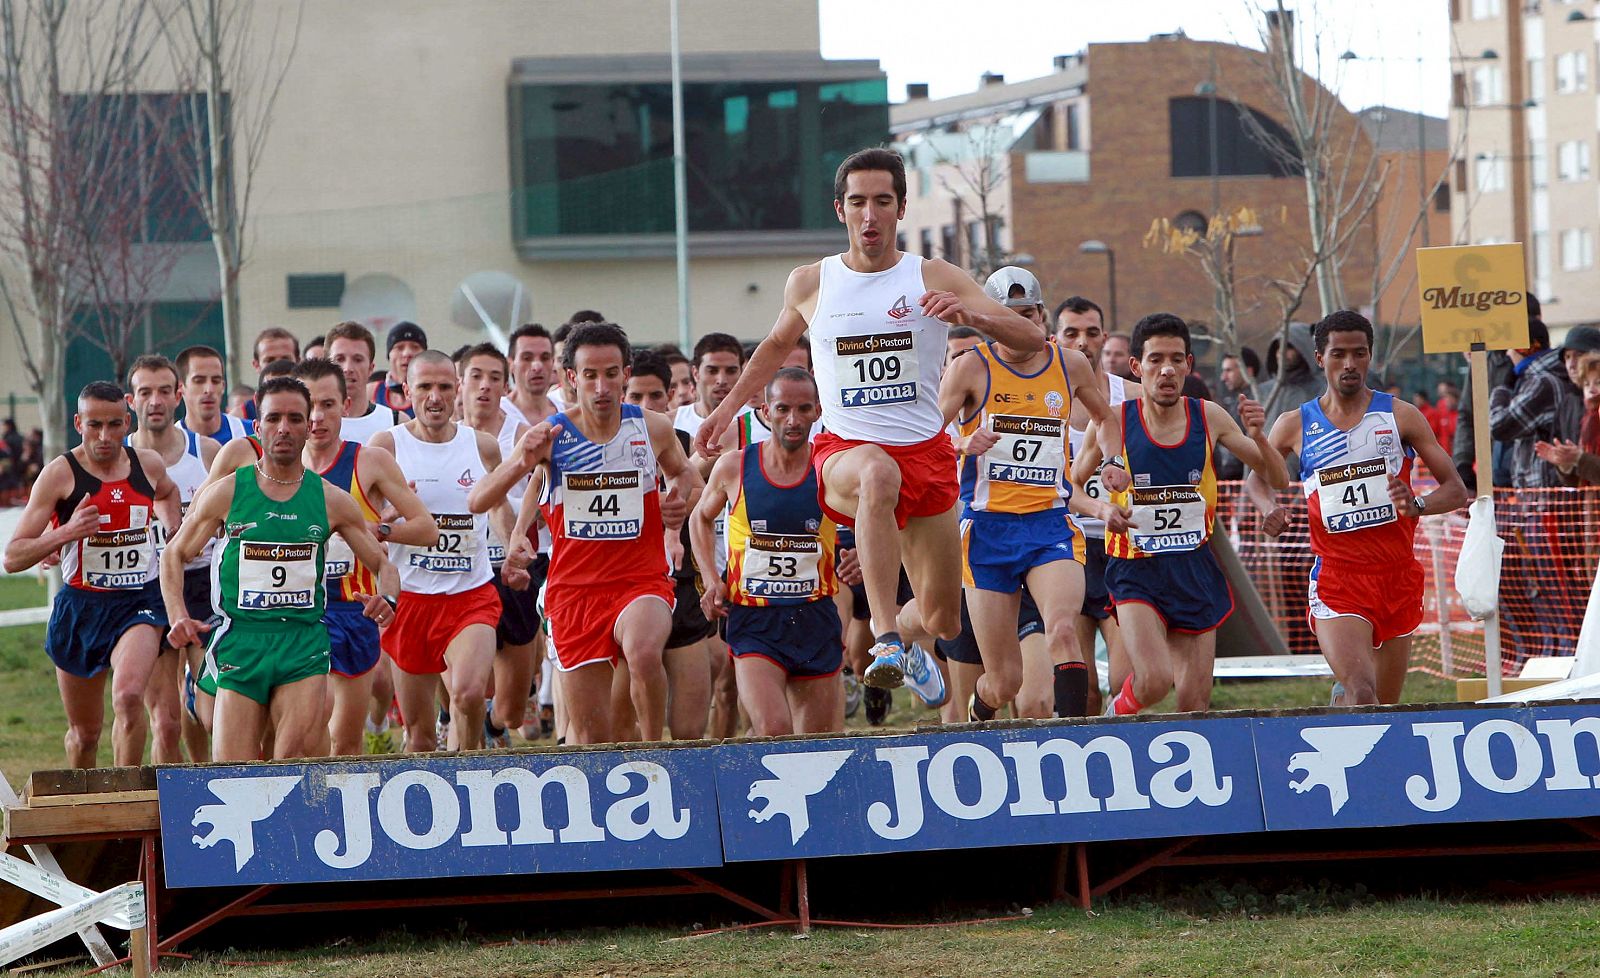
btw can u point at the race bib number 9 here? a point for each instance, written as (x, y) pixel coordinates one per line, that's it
(602, 505)
(453, 551)
(117, 559)
(781, 565)
(1030, 452)
(879, 368)
(277, 575)
(1355, 495)
(1168, 519)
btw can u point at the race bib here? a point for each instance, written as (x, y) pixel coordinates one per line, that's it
(497, 550)
(781, 565)
(1355, 495)
(1030, 452)
(277, 575)
(453, 551)
(602, 505)
(117, 558)
(339, 559)
(879, 368)
(1168, 519)
(1094, 488)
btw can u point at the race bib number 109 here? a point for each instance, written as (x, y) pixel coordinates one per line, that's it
(879, 368)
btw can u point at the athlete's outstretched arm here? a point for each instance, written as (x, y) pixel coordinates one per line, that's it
(533, 446)
(416, 526)
(1106, 421)
(769, 356)
(720, 487)
(501, 516)
(961, 395)
(345, 519)
(1285, 439)
(1089, 456)
(1416, 432)
(954, 298)
(683, 480)
(1251, 444)
(207, 511)
(520, 543)
(33, 539)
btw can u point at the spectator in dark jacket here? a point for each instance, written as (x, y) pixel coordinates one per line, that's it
(1530, 406)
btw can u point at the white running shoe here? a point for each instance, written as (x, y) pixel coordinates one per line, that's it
(922, 676)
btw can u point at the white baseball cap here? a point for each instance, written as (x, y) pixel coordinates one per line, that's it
(1007, 278)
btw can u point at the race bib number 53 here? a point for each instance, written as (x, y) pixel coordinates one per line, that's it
(879, 368)
(602, 505)
(781, 565)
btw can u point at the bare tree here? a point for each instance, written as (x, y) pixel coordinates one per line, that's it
(972, 167)
(79, 205)
(233, 59)
(1213, 248)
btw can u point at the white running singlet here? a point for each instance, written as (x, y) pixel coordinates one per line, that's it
(876, 357)
(444, 473)
(379, 418)
(1091, 526)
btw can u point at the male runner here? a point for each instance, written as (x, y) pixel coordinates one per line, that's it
(1080, 326)
(1168, 590)
(682, 387)
(718, 358)
(1116, 356)
(783, 628)
(607, 593)
(273, 343)
(1355, 446)
(484, 381)
(406, 340)
(447, 621)
(1013, 408)
(533, 370)
(877, 320)
(154, 394)
(269, 656)
(93, 506)
(373, 479)
(204, 388)
(350, 345)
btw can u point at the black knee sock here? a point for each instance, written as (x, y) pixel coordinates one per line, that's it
(891, 637)
(1072, 689)
(981, 710)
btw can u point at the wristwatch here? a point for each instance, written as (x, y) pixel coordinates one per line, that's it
(1419, 504)
(384, 530)
(394, 604)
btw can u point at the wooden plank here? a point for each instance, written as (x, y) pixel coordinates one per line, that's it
(77, 781)
(103, 798)
(131, 817)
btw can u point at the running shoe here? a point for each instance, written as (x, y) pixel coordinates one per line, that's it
(441, 729)
(922, 676)
(379, 741)
(972, 709)
(490, 738)
(887, 670)
(852, 693)
(1338, 691)
(878, 702)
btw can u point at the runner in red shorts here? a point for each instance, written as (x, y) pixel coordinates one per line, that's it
(608, 593)
(1355, 447)
(877, 319)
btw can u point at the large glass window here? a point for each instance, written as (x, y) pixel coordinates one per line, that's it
(597, 158)
(1246, 146)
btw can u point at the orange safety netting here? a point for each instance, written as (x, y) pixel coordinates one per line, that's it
(1548, 569)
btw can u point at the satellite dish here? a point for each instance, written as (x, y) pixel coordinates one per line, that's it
(378, 302)
(494, 302)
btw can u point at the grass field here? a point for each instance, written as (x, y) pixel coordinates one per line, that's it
(1224, 928)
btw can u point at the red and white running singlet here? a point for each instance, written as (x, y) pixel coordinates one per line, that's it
(120, 555)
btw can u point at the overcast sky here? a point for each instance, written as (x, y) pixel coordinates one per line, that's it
(1404, 44)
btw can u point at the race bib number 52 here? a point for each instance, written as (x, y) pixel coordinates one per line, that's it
(1168, 519)
(879, 368)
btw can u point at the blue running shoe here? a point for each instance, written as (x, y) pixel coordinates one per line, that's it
(923, 676)
(887, 670)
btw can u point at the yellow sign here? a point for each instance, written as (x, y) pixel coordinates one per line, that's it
(1473, 294)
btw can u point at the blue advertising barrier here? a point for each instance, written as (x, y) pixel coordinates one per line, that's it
(692, 807)
(470, 815)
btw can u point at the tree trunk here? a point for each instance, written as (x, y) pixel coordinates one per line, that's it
(224, 218)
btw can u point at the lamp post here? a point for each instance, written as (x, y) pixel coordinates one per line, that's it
(1097, 247)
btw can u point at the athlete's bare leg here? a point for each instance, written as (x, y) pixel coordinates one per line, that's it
(624, 721)
(418, 696)
(132, 659)
(161, 701)
(383, 692)
(297, 718)
(1036, 699)
(196, 726)
(1148, 653)
(513, 677)
(724, 693)
(1193, 658)
(1057, 591)
(584, 699)
(994, 625)
(930, 547)
(761, 693)
(1394, 658)
(689, 688)
(84, 701)
(864, 484)
(349, 696)
(1368, 675)
(816, 705)
(642, 631)
(239, 723)
(470, 660)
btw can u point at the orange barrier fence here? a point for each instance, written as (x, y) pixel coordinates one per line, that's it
(1548, 569)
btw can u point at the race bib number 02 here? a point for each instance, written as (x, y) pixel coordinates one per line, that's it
(602, 505)
(781, 565)
(1030, 452)
(1355, 495)
(879, 368)
(277, 575)
(453, 551)
(1168, 519)
(117, 559)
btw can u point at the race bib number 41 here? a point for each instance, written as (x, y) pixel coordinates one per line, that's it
(781, 565)
(277, 575)
(1168, 519)
(1355, 495)
(1030, 452)
(602, 505)
(117, 559)
(879, 368)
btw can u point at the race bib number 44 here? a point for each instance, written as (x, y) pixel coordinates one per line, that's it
(1355, 495)
(453, 551)
(277, 575)
(1168, 519)
(879, 368)
(602, 505)
(1030, 452)
(117, 558)
(781, 565)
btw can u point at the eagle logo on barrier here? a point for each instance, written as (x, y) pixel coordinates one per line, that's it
(245, 801)
(1335, 751)
(799, 776)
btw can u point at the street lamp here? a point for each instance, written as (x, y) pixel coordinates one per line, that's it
(1097, 247)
